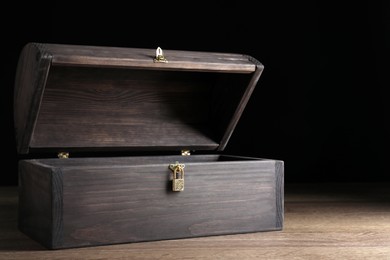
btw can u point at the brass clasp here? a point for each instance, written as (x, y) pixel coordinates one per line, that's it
(185, 152)
(160, 56)
(178, 176)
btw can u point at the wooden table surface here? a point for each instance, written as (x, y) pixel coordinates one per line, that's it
(322, 221)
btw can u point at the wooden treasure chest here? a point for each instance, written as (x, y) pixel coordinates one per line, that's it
(121, 145)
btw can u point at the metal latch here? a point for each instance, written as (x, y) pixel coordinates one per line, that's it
(160, 56)
(178, 176)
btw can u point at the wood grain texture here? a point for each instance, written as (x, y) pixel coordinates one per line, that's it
(322, 221)
(30, 80)
(100, 56)
(76, 97)
(113, 202)
(125, 108)
(241, 105)
(40, 203)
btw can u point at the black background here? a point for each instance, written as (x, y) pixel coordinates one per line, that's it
(321, 104)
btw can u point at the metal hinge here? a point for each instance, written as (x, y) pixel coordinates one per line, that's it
(63, 155)
(185, 152)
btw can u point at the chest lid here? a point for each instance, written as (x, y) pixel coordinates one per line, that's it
(88, 98)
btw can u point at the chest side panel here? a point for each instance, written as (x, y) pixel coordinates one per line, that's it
(128, 204)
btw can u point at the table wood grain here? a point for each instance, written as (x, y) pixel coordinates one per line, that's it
(322, 221)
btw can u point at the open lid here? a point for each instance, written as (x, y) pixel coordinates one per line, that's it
(94, 98)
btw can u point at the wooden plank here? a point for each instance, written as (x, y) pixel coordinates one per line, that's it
(238, 110)
(136, 204)
(111, 202)
(30, 81)
(40, 203)
(122, 108)
(99, 56)
(322, 221)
